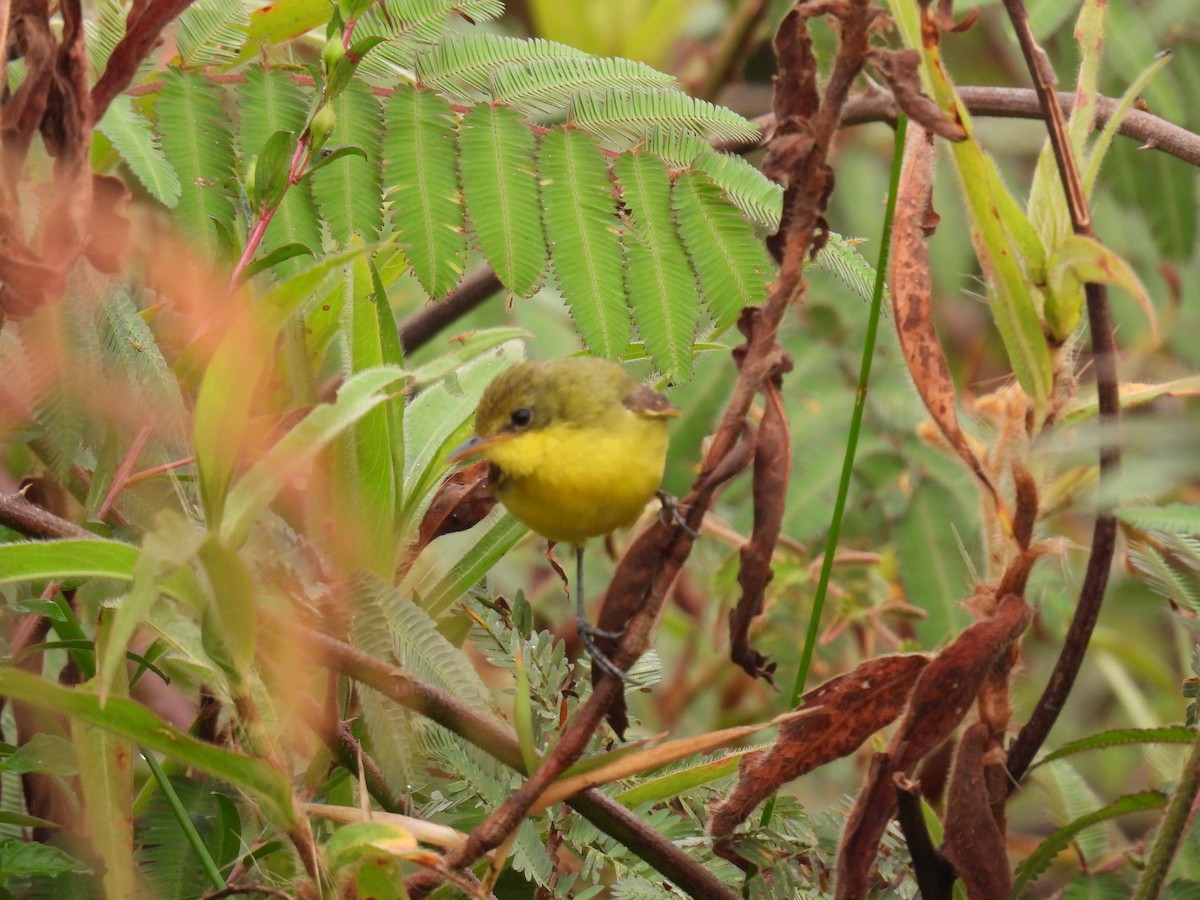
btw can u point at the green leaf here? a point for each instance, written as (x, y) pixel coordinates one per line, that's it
(680, 781)
(275, 257)
(233, 624)
(104, 28)
(165, 553)
(133, 138)
(1038, 861)
(129, 720)
(730, 261)
(1093, 158)
(26, 859)
(841, 257)
(415, 644)
(271, 171)
(407, 25)
(211, 32)
(544, 87)
(758, 197)
(269, 102)
(993, 219)
(365, 480)
(235, 375)
(1164, 189)
(491, 542)
(1116, 737)
(932, 569)
(660, 287)
(461, 65)
(349, 191)
(627, 116)
(130, 344)
(420, 169)
(44, 753)
(282, 21)
(76, 558)
(1079, 259)
(196, 141)
(579, 210)
(500, 187)
(295, 451)
(1178, 518)
(436, 421)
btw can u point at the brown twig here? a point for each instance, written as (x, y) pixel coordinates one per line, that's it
(1104, 352)
(20, 515)
(142, 29)
(419, 328)
(501, 743)
(935, 874)
(878, 105)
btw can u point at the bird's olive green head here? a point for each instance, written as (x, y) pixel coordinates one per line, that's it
(574, 392)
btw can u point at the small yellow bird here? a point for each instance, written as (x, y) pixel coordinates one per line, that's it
(577, 448)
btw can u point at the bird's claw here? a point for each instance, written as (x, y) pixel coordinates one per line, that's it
(587, 636)
(671, 510)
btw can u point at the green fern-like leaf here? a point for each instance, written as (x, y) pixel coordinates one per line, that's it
(627, 116)
(132, 137)
(732, 266)
(388, 724)
(756, 195)
(840, 257)
(420, 169)
(104, 29)
(130, 345)
(409, 25)
(1181, 518)
(660, 284)
(196, 140)
(501, 193)
(545, 87)
(349, 190)
(581, 227)
(210, 32)
(418, 647)
(269, 102)
(1040, 859)
(170, 865)
(486, 780)
(461, 65)
(1165, 579)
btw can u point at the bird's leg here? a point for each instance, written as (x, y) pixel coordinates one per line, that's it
(589, 632)
(671, 508)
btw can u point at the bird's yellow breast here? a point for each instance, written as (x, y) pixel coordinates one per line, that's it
(569, 483)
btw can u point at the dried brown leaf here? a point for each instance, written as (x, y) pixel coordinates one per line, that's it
(852, 707)
(941, 697)
(901, 70)
(912, 290)
(772, 472)
(974, 840)
(1026, 510)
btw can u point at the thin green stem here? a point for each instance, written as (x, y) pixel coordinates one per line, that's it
(185, 822)
(860, 404)
(1171, 829)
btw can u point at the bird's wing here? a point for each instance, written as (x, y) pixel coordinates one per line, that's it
(646, 401)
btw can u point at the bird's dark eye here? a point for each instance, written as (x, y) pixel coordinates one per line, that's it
(522, 417)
